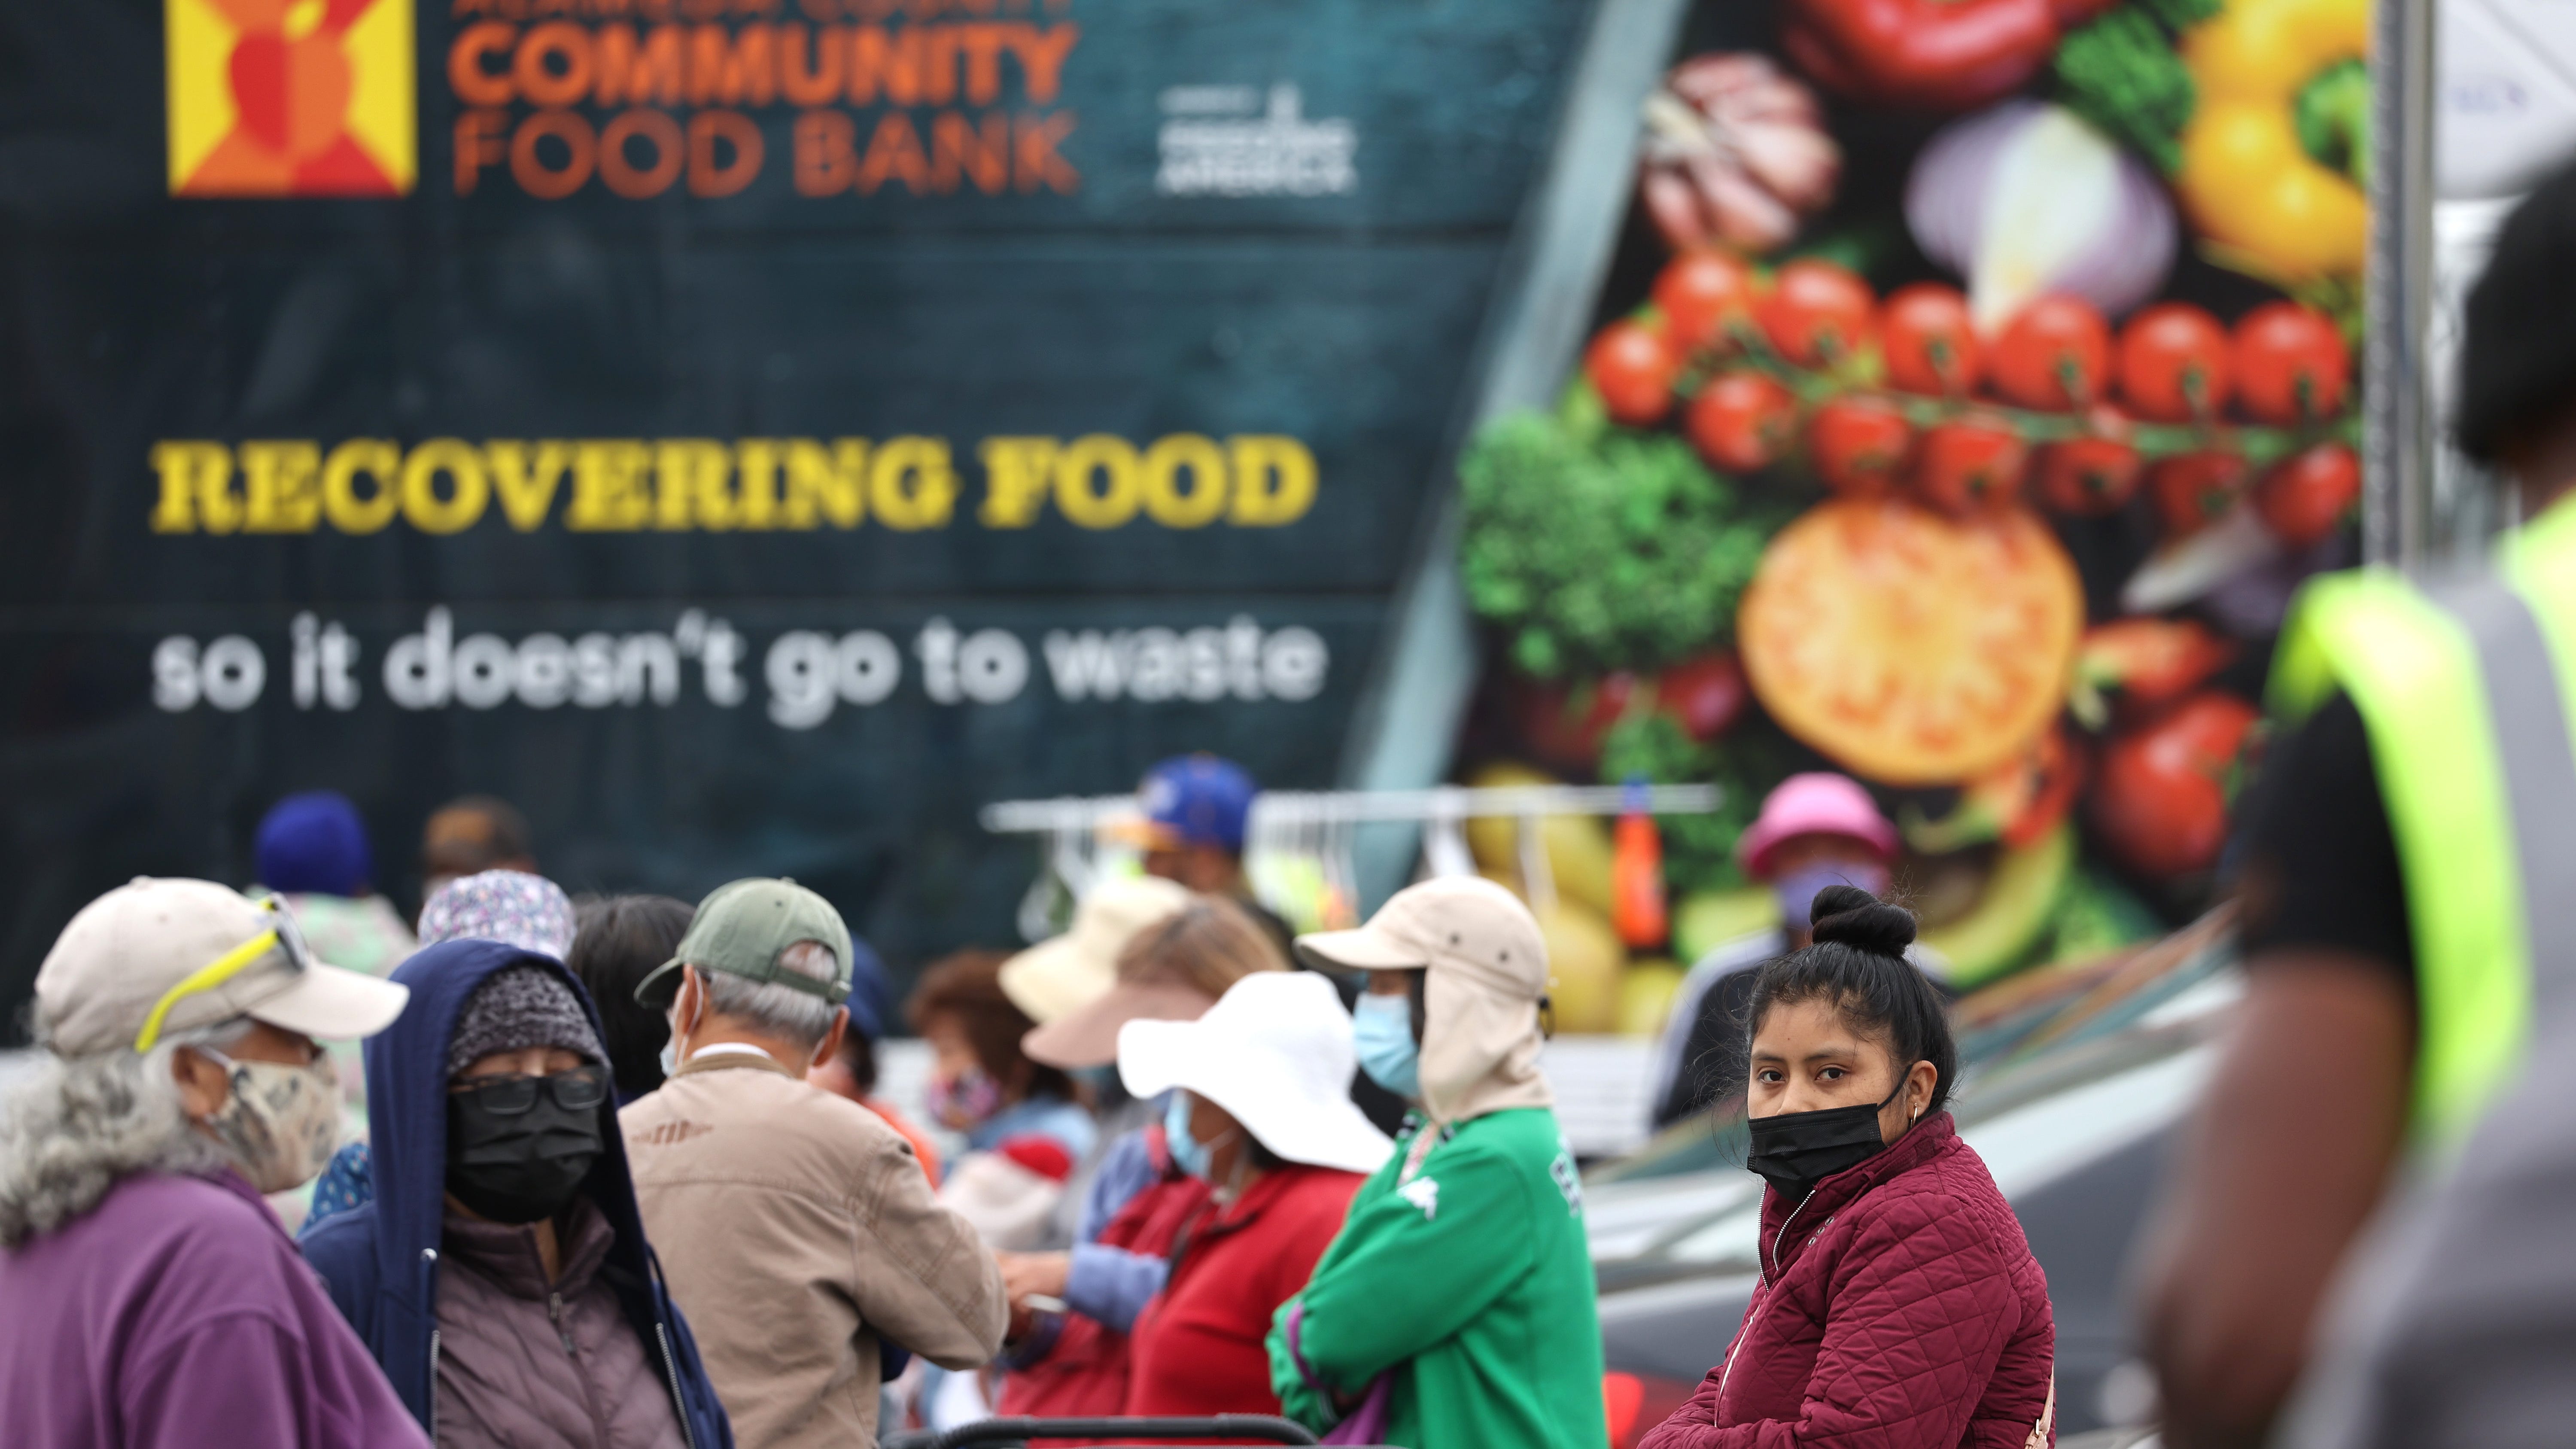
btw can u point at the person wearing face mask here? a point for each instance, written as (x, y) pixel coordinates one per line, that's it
(1026, 1135)
(1070, 974)
(501, 1274)
(509, 906)
(1261, 1112)
(1815, 830)
(804, 1234)
(1456, 1308)
(1899, 1303)
(148, 1297)
(1073, 1361)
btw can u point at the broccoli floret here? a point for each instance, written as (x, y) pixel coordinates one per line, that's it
(1699, 850)
(2121, 74)
(1612, 552)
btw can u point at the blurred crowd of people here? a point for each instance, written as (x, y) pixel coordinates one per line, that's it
(617, 1171)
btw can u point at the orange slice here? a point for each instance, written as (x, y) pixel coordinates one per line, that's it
(1915, 648)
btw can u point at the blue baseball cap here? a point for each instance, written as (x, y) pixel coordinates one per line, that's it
(870, 1007)
(313, 843)
(1196, 800)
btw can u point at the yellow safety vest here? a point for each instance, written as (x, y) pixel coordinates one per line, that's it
(2466, 688)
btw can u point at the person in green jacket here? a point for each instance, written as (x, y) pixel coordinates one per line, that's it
(1455, 1309)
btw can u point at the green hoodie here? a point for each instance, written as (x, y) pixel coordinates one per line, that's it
(1468, 1277)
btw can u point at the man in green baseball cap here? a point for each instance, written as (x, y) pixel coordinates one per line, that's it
(797, 1226)
(744, 929)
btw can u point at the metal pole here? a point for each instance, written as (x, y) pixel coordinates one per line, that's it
(2399, 426)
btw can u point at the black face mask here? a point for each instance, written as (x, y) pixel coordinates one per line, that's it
(1793, 1151)
(519, 1147)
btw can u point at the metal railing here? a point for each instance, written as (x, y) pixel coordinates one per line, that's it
(1317, 825)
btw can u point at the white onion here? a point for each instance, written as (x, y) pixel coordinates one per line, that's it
(2026, 199)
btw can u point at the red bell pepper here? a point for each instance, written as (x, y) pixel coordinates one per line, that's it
(1938, 55)
(2148, 660)
(1637, 883)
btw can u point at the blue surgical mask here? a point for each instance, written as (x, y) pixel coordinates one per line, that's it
(1797, 893)
(1186, 1150)
(1382, 1027)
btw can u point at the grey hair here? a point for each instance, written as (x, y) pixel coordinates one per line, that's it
(73, 1127)
(799, 1016)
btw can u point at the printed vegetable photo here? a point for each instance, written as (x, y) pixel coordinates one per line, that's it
(1973, 385)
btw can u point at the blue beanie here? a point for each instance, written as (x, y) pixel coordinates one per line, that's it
(314, 843)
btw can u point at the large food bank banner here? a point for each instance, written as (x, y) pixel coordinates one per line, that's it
(748, 434)
(1974, 387)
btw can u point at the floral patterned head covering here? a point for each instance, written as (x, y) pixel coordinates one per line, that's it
(509, 906)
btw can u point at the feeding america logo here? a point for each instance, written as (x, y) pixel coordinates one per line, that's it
(290, 97)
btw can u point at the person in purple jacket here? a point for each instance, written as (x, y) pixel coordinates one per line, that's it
(152, 1299)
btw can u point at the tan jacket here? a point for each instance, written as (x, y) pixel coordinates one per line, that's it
(795, 1228)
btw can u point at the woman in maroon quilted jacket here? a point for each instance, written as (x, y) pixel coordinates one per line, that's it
(1900, 1307)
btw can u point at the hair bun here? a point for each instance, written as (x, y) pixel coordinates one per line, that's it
(1854, 917)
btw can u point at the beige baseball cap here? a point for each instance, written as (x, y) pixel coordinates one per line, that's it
(153, 957)
(1463, 921)
(1058, 977)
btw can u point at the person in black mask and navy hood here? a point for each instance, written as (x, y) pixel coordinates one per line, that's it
(1899, 1302)
(501, 1276)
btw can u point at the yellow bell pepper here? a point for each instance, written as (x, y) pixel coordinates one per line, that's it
(2247, 184)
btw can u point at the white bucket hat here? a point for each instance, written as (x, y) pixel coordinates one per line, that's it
(1275, 1052)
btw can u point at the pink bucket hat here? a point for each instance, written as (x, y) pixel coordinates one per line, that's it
(1818, 803)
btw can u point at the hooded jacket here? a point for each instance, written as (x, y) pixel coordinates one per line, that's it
(1900, 1306)
(1462, 1269)
(381, 1260)
(1480, 1037)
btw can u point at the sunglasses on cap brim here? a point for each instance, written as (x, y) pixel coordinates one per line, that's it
(282, 934)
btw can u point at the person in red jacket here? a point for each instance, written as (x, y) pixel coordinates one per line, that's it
(1900, 1307)
(1261, 1111)
(1073, 1363)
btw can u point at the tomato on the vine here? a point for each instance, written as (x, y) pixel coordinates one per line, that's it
(1858, 444)
(2193, 489)
(2160, 800)
(2174, 363)
(1970, 462)
(1816, 313)
(1632, 366)
(1928, 342)
(2303, 497)
(1701, 294)
(1741, 421)
(2089, 475)
(2054, 355)
(2291, 364)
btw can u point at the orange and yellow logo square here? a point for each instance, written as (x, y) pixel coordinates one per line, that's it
(291, 97)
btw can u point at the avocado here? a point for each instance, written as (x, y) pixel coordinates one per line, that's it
(1707, 919)
(2020, 901)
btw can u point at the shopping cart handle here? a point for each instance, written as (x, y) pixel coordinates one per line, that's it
(1266, 1428)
